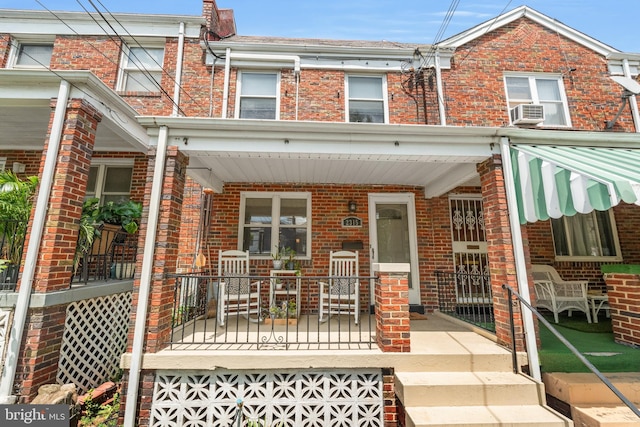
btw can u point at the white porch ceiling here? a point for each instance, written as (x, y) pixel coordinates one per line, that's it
(436, 158)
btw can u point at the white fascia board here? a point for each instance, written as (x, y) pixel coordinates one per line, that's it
(22, 22)
(524, 11)
(311, 50)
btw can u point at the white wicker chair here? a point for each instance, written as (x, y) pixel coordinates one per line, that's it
(557, 295)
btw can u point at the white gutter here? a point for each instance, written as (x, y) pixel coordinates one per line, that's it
(39, 217)
(518, 255)
(439, 91)
(145, 280)
(178, 79)
(632, 98)
(225, 92)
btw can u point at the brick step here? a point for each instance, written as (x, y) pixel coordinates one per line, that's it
(466, 389)
(484, 416)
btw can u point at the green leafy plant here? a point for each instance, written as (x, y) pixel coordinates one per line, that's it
(126, 214)
(16, 200)
(97, 415)
(284, 310)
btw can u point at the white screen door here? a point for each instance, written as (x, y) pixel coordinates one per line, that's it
(392, 235)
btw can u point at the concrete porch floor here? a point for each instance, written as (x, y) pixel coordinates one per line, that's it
(465, 348)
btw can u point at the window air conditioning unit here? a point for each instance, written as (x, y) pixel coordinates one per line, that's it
(527, 114)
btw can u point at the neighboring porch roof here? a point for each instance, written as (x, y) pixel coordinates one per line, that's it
(552, 181)
(437, 158)
(25, 98)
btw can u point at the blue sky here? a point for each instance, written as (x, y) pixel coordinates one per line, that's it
(413, 21)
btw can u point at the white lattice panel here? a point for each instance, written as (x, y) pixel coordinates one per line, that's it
(5, 318)
(300, 399)
(95, 336)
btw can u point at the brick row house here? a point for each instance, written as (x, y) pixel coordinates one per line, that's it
(430, 161)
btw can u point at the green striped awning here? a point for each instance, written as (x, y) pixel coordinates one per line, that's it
(552, 181)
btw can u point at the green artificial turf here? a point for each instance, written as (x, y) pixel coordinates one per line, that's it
(587, 338)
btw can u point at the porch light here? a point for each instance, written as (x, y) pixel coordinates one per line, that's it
(352, 206)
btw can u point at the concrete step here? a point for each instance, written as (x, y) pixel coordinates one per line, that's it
(485, 416)
(466, 389)
(586, 389)
(604, 416)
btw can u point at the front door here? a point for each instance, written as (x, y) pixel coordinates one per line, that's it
(392, 235)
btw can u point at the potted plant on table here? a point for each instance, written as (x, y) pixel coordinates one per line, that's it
(277, 258)
(283, 313)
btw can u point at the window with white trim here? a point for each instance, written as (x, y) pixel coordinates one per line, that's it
(258, 95)
(586, 237)
(275, 220)
(141, 69)
(110, 182)
(32, 55)
(546, 90)
(366, 99)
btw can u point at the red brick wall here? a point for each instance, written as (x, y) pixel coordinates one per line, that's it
(329, 204)
(624, 299)
(474, 87)
(101, 55)
(30, 158)
(5, 48)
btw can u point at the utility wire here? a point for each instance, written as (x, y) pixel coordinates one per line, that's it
(142, 47)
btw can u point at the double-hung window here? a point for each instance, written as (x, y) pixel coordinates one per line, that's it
(271, 221)
(366, 100)
(546, 90)
(586, 237)
(141, 69)
(110, 182)
(32, 55)
(258, 95)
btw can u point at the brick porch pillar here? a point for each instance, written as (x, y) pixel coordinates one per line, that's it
(392, 308)
(623, 290)
(38, 363)
(500, 250)
(158, 326)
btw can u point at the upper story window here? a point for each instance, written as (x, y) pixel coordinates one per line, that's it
(258, 96)
(366, 100)
(141, 69)
(32, 55)
(586, 237)
(545, 90)
(275, 220)
(110, 182)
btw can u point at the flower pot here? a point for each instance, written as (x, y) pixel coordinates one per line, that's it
(289, 321)
(277, 264)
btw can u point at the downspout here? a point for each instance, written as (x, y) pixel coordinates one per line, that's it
(632, 98)
(518, 255)
(137, 349)
(33, 248)
(297, 75)
(225, 92)
(178, 80)
(439, 91)
(213, 71)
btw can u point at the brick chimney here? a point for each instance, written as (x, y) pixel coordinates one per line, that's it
(220, 22)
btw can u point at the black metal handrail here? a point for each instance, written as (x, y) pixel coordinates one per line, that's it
(279, 312)
(510, 294)
(466, 296)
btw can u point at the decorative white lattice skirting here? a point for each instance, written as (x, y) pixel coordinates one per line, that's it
(292, 398)
(95, 336)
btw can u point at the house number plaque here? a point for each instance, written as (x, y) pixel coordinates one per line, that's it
(351, 222)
